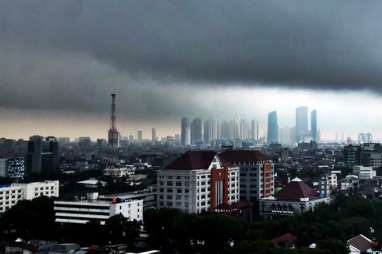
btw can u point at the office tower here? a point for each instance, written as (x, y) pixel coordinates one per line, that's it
(34, 155)
(285, 134)
(225, 130)
(301, 124)
(254, 130)
(185, 133)
(140, 136)
(365, 138)
(208, 131)
(215, 130)
(236, 128)
(113, 134)
(313, 125)
(196, 131)
(177, 139)
(153, 135)
(273, 132)
(243, 129)
(42, 156)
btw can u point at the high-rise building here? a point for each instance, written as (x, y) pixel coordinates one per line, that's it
(365, 138)
(301, 124)
(140, 135)
(196, 131)
(313, 125)
(256, 172)
(153, 135)
(254, 130)
(198, 181)
(113, 134)
(273, 128)
(185, 133)
(42, 156)
(285, 136)
(208, 131)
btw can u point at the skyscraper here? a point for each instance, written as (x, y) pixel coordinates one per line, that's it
(185, 138)
(313, 125)
(153, 135)
(207, 130)
(301, 123)
(113, 134)
(43, 156)
(254, 130)
(273, 128)
(140, 136)
(196, 131)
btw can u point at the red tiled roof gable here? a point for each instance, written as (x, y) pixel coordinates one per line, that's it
(295, 190)
(192, 160)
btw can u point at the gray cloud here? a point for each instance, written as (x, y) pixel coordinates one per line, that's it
(69, 54)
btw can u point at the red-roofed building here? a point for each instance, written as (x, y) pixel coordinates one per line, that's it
(198, 181)
(256, 172)
(361, 244)
(286, 240)
(296, 197)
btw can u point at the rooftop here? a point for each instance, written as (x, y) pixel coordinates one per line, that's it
(361, 242)
(295, 190)
(229, 156)
(192, 160)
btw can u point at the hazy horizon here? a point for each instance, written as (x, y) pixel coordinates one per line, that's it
(60, 60)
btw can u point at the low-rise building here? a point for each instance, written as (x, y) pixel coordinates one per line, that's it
(125, 171)
(98, 208)
(328, 183)
(364, 173)
(296, 197)
(12, 193)
(350, 182)
(361, 244)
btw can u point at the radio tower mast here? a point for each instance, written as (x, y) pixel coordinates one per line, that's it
(113, 135)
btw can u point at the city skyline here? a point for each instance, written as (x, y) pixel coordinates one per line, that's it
(277, 56)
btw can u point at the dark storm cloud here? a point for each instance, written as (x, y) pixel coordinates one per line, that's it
(77, 51)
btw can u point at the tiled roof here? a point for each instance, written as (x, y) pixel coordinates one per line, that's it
(229, 156)
(192, 160)
(287, 238)
(295, 190)
(361, 242)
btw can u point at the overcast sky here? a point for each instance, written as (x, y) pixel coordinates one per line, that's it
(60, 60)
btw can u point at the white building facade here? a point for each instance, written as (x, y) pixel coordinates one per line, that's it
(97, 208)
(11, 194)
(197, 182)
(117, 172)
